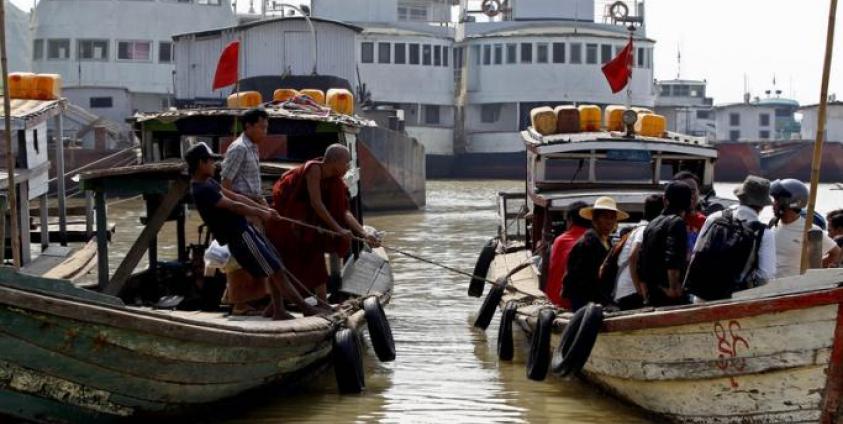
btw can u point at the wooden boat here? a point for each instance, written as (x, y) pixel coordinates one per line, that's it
(70, 355)
(772, 354)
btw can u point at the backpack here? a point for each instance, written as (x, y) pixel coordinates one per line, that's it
(609, 270)
(726, 259)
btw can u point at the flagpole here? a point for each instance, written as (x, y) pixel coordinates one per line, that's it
(629, 67)
(818, 145)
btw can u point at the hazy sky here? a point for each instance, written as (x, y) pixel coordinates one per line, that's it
(723, 40)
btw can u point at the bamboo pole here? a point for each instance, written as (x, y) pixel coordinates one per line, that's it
(7, 137)
(818, 145)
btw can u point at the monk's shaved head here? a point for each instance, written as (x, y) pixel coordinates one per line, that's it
(337, 153)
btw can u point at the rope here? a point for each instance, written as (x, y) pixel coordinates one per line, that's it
(98, 161)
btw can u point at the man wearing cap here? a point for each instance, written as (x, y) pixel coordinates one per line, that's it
(225, 212)
(754, 196)
(663, 256)
(581, 283)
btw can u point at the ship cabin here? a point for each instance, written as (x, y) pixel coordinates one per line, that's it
(564, 168)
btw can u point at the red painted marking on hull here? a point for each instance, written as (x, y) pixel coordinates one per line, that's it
(834, 376)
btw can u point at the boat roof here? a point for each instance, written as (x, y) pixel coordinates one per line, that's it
(266, 21)
(550, 28)
(275, 111)
(630, 200)
(26, 113)
(606, 140)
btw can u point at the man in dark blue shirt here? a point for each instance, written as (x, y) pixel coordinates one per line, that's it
(225, 213)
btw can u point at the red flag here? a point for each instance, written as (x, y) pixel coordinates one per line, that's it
(227, 66)
(619, 70)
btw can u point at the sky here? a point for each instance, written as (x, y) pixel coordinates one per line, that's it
(727, 41)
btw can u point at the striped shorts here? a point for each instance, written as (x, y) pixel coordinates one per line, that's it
(255, 253)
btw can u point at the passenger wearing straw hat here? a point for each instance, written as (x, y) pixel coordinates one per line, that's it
(581, 283)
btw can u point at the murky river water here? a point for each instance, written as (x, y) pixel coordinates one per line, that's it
(445, 370)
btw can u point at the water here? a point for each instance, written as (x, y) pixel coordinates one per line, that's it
(446, 371)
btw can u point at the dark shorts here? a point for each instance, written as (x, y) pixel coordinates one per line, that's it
(255, 253)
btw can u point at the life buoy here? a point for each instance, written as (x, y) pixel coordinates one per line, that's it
(577, 340)
(481, 268)
(539, 357)
(348, 362)
(487, 309)
(491, 8)
(505, 347)
(380, 332)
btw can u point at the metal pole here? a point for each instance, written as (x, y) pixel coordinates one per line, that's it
(312, 31)
(818, 145)
(7, 136)
(59, 124)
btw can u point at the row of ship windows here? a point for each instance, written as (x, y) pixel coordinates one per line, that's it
(98, 50)
(763, 119)
(592, 54)
(404, 53)
(735, 135)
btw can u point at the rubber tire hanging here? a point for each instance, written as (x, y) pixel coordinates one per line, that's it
(348, 361)
(481, 268)
(539, 358)
(577, 340)
(505, 345)
(489, 306)
(380, 333)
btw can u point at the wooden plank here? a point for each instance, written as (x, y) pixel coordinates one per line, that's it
(177, 191)
(23, 223)
(75, 263)
(45, 234)
(833, 394)
(102, 240)
(33, 407)
(59, 126)
(53, 287)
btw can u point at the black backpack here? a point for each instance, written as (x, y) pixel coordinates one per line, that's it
(727, 257)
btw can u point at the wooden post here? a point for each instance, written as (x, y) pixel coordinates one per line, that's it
(153, 224)
(7, 138)
(818, 145)
(59, 125)
(102, 240)
(815, 251)
(89, 215)
(3, 206)
(23, 223)
(181, 241)
(45, 225)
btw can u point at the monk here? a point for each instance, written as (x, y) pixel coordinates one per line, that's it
(315, 193)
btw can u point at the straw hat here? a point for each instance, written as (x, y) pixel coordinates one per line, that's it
(604, 203)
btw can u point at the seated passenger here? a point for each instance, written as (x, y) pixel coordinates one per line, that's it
(735, 251)
(790, 196)
(576, 227)
(225, 214)
(630, 290)
(581, 283)
(694, 219)
(835, 226)
(315, 193)
(663, 256)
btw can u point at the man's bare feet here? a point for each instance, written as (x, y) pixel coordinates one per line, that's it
(282, 315)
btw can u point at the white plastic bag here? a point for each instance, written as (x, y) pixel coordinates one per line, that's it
(216, 257)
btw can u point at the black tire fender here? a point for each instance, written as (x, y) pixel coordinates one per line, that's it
(577, 340)
(539, 358)
(505, 345)
(348, 361)
(380, 332)
(489, 306)
(481, 268)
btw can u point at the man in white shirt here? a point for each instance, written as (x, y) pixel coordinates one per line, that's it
(754, 196)
(630, 291)
(790, 197)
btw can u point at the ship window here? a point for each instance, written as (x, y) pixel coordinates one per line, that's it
(384, 52)
(487, 54)
(100, 102)
(431, 114)
(558, 52)
(426, 54)
(475, 51)
(682, 90)
(414, 54)
(92, 49)
(400, 53)
(58, 49)
(703, 114)
(591, 54)
(37, 49)
(576, 53)
(511, 53)
(734, 135)
(208, 2)
(367, 52)
(734, 119)
(165, 52)
(498, 54)
(445, 56)
(437, 55)
(665, 91)
(605, 53)
(526, 53)
(541, 53)
(784, 113)
(764, 134)
(136, 51)
(641, 57)
(490, 113)
(764, 119)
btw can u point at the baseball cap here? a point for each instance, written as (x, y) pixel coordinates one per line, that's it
(199, 151)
